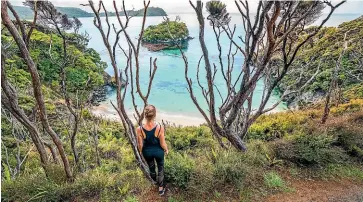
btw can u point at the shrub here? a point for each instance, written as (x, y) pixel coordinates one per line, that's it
(349, 171)
(202, 180)
(273, 180)
(310, 150)
(352, 106)
(230, 168)
(178, 169)
(30, 187)
(189, 137)
(131, 199)
(352, 142)
(111, 187)
(354, 92)
(273, 126)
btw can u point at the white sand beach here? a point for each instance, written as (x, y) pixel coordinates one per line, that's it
(106, 111)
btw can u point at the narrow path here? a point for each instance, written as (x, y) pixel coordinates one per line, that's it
(321, 191)
(302, 191)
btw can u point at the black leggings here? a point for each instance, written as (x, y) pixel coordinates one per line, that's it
(151, 157)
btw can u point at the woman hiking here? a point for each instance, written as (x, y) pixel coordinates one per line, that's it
(152, 145)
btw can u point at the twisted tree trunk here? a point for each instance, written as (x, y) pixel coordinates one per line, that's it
(36, 86)
(9, 100)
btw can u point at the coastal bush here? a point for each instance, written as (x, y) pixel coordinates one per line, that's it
(353, 143)
(354, 92)
(178, 169)
(189, 137)
(202, 180)
(353, 105)
(310, 150)
(328, 45)
(277, 125)
(345, 171)
(109, 186)
(230, 168)
(34, 186)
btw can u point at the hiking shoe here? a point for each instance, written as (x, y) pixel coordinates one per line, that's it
(162, 192)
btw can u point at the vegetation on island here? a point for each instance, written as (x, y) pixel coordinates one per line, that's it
(166, 35)
(160, 33)
(55, 149)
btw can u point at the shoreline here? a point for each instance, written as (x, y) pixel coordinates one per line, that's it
(105, 111)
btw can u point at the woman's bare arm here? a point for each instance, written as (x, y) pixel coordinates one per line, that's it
(140, 139)
(162, 140)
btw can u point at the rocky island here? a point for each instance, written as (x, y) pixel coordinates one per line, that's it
(166, 35)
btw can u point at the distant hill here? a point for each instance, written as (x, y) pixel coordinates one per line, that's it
(27, 13)
(74, 12)
(152, 11)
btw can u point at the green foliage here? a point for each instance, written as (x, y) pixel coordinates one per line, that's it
(160, 33)
(36, 187)
(277, 125)
(273, 180)
(7, 175)
(353, 105)
(131, 199)
(323, 51)
(218, 14)
(310, 150)
(189, 137)
(354, 92)
(345, 171)
(179, 168)
(349, 134)
(230, 168)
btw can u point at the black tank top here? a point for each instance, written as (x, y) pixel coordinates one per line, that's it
(150, 141)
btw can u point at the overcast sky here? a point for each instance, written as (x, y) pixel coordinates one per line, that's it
(182, 6)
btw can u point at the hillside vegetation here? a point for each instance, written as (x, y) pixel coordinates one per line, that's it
(27, 13)
(283, 147)
(323, 51)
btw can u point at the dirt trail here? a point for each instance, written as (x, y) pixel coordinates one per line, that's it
(303, 191)
(321, 191)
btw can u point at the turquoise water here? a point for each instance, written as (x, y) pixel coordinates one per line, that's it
(169, 93)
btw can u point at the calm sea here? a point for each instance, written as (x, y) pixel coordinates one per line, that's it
(169, 91)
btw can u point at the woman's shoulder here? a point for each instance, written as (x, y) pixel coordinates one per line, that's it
(138, 128)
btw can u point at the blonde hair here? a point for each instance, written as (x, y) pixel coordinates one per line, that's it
(150, 112)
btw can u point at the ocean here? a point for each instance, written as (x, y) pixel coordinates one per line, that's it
(169, 93)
